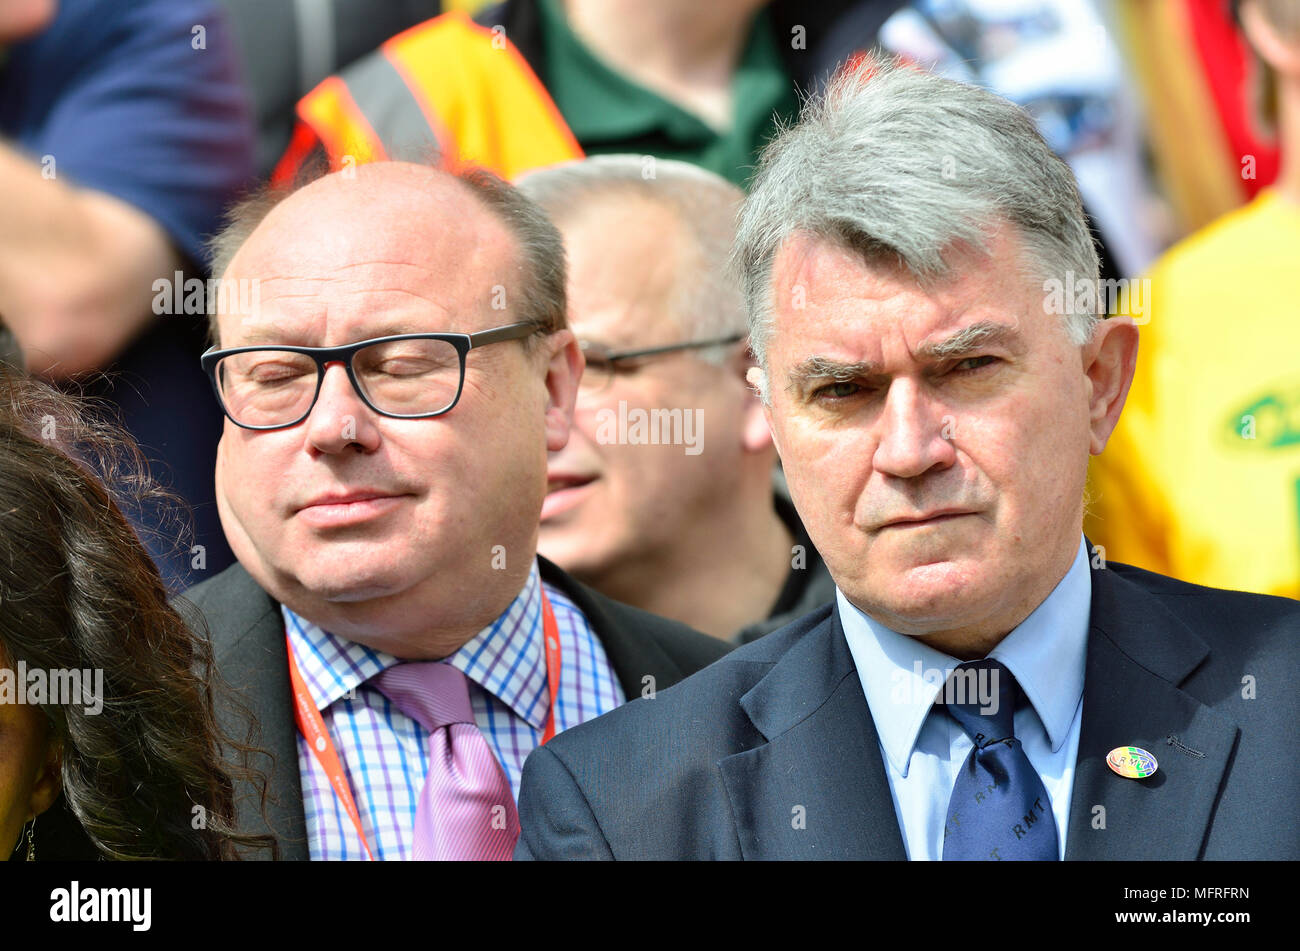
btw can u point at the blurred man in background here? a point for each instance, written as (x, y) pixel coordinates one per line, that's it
(678, 518)
(1202, 479)
(125, 132)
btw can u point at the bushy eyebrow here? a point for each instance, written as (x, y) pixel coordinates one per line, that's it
(983, 333)
(823, 368)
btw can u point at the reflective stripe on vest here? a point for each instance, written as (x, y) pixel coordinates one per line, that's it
(339, 124)
(448, 84)
(391, 109)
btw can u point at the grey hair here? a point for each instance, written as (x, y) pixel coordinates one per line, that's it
(540, 285)
(907, 167)
(241, 220)
(706, 301)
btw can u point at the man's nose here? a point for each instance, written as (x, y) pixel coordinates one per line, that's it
(915, 432)
(340, 418)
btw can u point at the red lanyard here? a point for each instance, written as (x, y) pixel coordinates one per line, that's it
(312, 726)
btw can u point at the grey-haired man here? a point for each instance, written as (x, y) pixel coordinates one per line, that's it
(983, 682)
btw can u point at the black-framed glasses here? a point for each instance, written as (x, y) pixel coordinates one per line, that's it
(603, 363)
(405, 376)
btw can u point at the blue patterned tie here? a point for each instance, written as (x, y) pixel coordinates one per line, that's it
(999, 808)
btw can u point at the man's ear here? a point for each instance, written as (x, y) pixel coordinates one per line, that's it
(564, 365)
(1109, 359)
(755, 434)
(758, 413)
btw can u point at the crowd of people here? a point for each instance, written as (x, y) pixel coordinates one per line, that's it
(576, 444)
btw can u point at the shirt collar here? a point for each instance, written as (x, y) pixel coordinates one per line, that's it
(901, 677)
(505, 658)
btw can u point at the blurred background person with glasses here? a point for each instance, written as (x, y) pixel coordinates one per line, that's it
(689, 521)
(391, 394)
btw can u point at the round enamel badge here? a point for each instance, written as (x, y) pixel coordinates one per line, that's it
(1132, 762)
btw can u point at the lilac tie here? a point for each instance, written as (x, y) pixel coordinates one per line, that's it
(467, 810)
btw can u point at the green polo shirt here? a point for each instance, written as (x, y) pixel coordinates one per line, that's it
(609, 113)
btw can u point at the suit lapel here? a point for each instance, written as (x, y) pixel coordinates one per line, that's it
(817, 788)
(1138, 654)
(253, 659)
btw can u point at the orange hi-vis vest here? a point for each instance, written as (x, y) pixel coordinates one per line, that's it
(448, 88)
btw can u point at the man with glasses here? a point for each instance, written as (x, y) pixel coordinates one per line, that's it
(680, 516)
(394, 368)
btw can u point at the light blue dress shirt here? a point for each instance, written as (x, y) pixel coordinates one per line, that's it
(924, 748)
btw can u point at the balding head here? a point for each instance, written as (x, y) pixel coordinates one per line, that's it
(404, 204)
(391, 205)
(655, 213)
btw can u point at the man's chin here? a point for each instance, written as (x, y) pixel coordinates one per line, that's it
(343, 584)
(920, 598)
(362, 590)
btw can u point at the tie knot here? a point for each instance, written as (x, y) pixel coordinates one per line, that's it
(981, 696)
(432, 693)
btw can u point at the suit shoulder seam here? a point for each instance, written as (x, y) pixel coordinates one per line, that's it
(583, 793)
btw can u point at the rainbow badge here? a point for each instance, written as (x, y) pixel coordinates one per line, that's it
(1131, 762)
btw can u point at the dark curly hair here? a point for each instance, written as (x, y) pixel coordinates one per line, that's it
(79, 592)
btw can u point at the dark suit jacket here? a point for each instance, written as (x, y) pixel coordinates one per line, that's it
(715, 767)
(247, 632)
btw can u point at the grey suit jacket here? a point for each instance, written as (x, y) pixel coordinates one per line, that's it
(247, 632)
(717, 766)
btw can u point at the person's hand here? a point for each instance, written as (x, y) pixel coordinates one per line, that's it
(77, 269)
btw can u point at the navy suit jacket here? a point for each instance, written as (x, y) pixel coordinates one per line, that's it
(719, 766)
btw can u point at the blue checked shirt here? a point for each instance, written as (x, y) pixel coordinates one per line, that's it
(385, 753)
